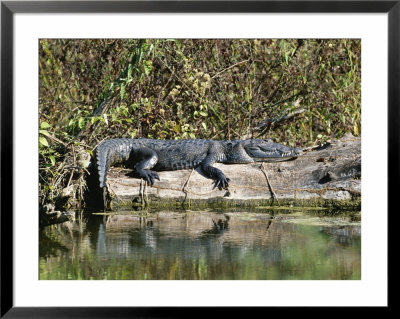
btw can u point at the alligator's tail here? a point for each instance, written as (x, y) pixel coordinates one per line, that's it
(110, 152)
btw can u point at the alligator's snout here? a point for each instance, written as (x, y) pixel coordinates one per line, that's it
(266, 150)
(280, 151)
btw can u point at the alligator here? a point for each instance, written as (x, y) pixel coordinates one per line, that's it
(146, 154)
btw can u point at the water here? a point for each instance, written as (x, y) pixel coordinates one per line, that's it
(203, 245)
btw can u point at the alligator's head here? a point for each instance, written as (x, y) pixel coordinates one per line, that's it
(268, 151)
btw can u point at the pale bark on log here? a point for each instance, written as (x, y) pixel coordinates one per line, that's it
(326, 177)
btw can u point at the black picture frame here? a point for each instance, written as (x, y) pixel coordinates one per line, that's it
(9, 8)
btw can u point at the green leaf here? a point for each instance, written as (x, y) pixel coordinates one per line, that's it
(43, 141)
(44, 132)
(122, 92)
(52, 159)
(44, 125)
(81, 122)
(130, 69)
(90, 152)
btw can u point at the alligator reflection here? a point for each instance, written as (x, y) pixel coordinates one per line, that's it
(203, 245)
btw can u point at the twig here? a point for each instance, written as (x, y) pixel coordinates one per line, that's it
(186, 184)
(143, 193)
(56, 140)
(276, 120)
(230, 67)
(179, 79)
(269, 184)
(169, 80)
(146, 198)
(73, 170)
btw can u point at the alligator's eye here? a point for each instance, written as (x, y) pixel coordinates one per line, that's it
(253, 148)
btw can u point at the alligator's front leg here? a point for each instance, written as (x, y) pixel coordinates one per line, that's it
(147, 159)
(221, 181)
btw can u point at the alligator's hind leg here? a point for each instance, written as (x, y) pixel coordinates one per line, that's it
(147, 159)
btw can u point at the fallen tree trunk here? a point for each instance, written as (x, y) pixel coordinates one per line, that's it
(329, 176)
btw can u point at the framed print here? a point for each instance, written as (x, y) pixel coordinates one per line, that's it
(164, 155)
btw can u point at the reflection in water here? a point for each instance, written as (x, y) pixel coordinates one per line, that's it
(203, 245)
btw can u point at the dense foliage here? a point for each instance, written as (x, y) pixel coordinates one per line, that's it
(172, 89)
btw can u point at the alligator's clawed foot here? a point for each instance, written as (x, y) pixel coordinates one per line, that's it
(222, 183)
(149, 176)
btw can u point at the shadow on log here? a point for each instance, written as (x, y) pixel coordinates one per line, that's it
(328, 176)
